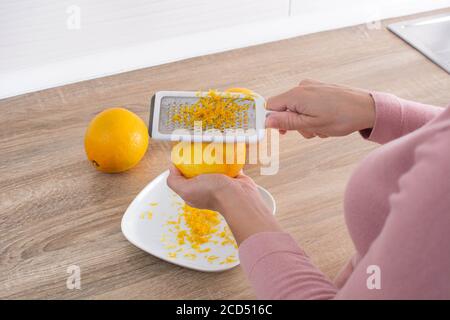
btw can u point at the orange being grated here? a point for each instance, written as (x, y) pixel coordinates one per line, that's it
(215, 111)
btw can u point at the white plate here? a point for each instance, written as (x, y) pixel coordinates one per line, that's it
(147, 233)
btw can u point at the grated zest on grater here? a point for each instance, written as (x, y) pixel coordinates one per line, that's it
(166, 104)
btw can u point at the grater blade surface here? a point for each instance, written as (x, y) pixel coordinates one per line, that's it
(171, 105)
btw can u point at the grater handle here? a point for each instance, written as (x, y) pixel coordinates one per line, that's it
(266, 114)
(152, 111)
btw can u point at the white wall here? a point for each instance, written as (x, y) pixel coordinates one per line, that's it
(38, 50)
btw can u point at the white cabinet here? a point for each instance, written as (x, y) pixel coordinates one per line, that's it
(35, 32)
(41, 46)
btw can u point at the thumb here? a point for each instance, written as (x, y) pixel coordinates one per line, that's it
(286, 120)
(175, 180)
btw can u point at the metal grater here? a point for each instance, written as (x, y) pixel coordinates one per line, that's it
(165, 104)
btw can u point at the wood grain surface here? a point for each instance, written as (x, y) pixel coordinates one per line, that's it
(57, 211)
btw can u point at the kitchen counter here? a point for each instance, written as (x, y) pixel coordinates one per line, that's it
(56, 210)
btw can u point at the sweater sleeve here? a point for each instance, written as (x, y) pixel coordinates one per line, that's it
(278, 269)
(410, 258)
(395, 117)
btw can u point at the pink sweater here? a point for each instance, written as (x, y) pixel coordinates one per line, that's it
(397, 209)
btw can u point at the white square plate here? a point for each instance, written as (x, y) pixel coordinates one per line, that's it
(145, 225)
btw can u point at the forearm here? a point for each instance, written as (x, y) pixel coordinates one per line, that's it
(275, 265)
(246, 218)
(278, 269)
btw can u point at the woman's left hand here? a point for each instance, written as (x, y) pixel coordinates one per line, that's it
(237, 199)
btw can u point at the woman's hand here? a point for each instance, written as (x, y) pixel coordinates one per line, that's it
(237, 199)
(318, 109)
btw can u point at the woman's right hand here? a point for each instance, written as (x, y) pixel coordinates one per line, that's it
(318, 109)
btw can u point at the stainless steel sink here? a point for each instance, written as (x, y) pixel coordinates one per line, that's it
(430, 35)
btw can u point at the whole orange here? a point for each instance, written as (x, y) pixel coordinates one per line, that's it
(193, 159)
(116, 140)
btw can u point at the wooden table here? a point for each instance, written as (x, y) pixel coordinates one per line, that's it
(57, 211)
